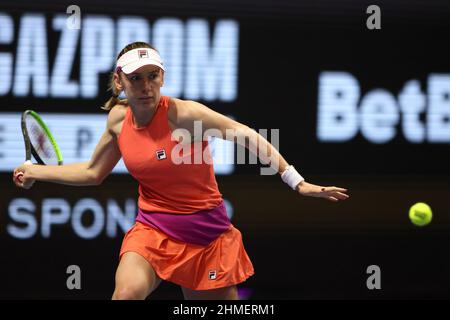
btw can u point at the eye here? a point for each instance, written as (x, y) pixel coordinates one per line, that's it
(153, 76)
(135, 78)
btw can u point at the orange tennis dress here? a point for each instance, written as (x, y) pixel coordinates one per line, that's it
(182, 228)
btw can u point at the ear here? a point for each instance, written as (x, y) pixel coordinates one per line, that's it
(117, 81)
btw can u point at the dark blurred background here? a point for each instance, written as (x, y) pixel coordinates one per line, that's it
(366, 109)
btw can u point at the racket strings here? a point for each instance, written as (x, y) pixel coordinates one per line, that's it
(40, 141)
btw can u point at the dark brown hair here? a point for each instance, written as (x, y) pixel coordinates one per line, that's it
(112, 87)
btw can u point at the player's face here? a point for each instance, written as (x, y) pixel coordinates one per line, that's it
(142, 87)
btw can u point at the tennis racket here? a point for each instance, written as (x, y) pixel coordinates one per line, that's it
(39, 141)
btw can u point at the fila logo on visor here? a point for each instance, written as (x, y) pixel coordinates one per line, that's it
(143, 54)
(161, 154)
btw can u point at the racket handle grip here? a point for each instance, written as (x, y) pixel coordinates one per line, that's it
(19, 175)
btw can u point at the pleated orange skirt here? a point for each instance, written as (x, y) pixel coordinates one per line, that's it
(222, 263)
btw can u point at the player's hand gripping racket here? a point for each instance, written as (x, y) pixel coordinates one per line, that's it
(39, 142)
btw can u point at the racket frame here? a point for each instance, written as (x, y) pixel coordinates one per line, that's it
(29, 149)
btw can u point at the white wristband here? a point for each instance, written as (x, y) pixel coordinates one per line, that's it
(291, 177)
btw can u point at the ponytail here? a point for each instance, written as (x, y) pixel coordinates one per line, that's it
(114, 96)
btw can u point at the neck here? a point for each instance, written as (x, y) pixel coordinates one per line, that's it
(142, 116)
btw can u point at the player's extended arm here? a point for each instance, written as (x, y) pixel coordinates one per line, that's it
(218, 125)
(188, 111)
(92, 172)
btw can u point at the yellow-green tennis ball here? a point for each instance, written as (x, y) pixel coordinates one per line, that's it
(420, 214)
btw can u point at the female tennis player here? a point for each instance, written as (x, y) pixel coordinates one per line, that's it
(182, 233)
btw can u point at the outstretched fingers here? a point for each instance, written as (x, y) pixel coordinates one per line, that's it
(335, 194)
(341, 196)
(332, 199)
(335, 189)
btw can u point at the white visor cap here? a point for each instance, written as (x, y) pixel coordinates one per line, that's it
(136, 58)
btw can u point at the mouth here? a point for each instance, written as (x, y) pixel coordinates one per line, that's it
(146, 98)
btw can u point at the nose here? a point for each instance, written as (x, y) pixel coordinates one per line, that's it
(147, 85)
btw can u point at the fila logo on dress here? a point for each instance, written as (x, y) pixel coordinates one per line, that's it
(161, 154)
(212, 274)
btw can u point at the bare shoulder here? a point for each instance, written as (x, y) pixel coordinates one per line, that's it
(184, 113)
(182, 110)
(176, 106)
(115, 118)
